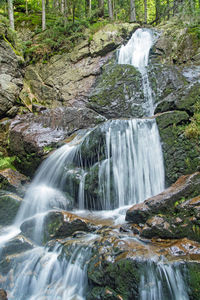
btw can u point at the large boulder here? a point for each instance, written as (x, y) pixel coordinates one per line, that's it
(32, 136)
(9, 205)
(181, 152)
(177, 44)
(118, 92)
(11, 79)
(12, 180)
(174, 213)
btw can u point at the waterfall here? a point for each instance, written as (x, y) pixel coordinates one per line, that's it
(136, 53)
(134, 159)
(162, 281)
(129, 171)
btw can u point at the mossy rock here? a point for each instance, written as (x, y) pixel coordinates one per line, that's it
(118, 92)
(194, 280)
(120, 277)
(9, 205)
(181, 154)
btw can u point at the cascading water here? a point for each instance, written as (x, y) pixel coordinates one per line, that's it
(162, 281)
(130, 171)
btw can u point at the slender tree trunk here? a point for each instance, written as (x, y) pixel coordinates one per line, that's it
(43, 15)
(90, 7)
(65, 13)
(62, 7)
(132, 11)
(73, 11)
(168, 8)
(47, 5)
(101, 8)
(26, 7)
(145, 11)
(11, 14)
(110, 9)
(157, 11)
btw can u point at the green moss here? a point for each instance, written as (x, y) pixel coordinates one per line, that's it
(194, 280)
(7, 162)
(9, 205)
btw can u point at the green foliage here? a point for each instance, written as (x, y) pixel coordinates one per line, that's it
(6, 162)
(192, 131)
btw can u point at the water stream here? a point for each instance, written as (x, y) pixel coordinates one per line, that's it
(130, 171)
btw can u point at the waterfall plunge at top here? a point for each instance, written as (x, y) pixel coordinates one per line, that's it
(136, 53)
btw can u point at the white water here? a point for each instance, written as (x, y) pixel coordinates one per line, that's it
(162, 281)
(136, 53)
(134, 159)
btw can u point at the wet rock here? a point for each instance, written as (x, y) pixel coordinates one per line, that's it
(194, 279)
(56, 225)
(9, 205)
(185, 187)
(181, 154)
(3, 295)
(13, 181)
(118, 92)
(16, 245)
(31, 137)
(10, 79)
(175, 213)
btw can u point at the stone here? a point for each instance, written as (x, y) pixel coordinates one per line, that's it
(9, 205)
(185, 187)
(16, 245)
(3, 295)
(30, 135)
(181, 153)
(12, 180)
(57, 225)
(118, 92)
(10, 79)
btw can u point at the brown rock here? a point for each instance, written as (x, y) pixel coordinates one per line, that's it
(3, 295)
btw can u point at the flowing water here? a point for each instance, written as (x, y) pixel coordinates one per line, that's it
(130, 170)
(163, 281)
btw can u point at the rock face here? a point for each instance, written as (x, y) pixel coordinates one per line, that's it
(181, 153)
(9, 205)
(57, 225)
(33, 136)
(118, 92)
(177, 45)
(67, 79)
(175, 213)
(11, 180)
(11, 80)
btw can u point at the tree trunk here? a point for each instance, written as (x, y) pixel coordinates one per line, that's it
(43, 15)
(62, 7)
(145, 11)
(26, 7)
(132, 11)
(73, 11)
(157, 11)
(88, 8)
(110, 9)
(11, 14)
(101, 8)
(65, 13)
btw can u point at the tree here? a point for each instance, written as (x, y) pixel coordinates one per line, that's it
(110, 9)
(11, 14)
(101, 8)
(145, 11)
(132, 11)
(43, 15)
